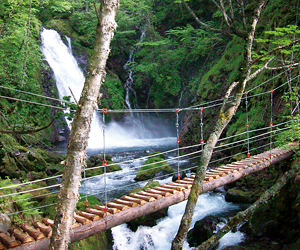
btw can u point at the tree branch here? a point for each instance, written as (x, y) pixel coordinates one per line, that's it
(275, 49)
(204, 24)
(244, 215)
(26, 131)
(231, 10)
(260, 69)
(97, 13)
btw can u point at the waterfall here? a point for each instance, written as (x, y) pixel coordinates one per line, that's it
(136, 119)
(68, 74)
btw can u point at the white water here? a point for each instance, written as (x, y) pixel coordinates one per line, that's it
(161, 235)
(68, 74)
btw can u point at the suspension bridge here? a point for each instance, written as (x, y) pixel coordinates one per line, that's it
(128, 207)
(125, 208)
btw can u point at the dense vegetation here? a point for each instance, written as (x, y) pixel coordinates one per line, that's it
(176, 63)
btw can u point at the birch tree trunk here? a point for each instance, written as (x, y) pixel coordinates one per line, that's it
(226, 113)
(81, 126)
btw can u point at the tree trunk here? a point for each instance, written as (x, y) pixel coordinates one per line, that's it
(244, 215)
(75, 158)
(226, 113)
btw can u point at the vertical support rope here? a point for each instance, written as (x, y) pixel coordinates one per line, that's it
(86, 202)
(177, 129)
(104, 160)
(271, 124)
(201, 127)
(247, 125)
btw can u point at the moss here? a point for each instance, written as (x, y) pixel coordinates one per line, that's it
(97, 160)
(91, 199)
(9, 167)
(150, 184)
(155, 166)
(102, 240)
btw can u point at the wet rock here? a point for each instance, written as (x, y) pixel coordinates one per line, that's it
(202, 230)
(5, 222)
(238, 196)
(154, 167)
(149, 220)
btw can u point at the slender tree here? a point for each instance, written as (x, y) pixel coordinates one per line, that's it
(233, 26)
(76, 150)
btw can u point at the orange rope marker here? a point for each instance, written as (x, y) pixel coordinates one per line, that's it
(86, 202)
(104, 163)
(104, 110)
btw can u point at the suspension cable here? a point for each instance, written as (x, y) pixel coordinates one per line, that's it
(104, 159)
(178, 142)
(247, 124)
(271, 123)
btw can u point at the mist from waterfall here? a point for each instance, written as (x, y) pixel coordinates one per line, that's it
(67, 73)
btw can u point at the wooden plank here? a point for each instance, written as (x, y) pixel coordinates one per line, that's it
(47, 230)
(138, 201)
(168, 190)
(108, 209)
(35, 233)
(8, 241)
(75, 225)
(89, 216)
(81, 219)
(188, 179)
(121, 207)
(186, 186)
(48, 222)
(156, 196)
(178, 188)
(154, 191)
(97, 212)
(127, 203)
(142, 197)
(20, 235)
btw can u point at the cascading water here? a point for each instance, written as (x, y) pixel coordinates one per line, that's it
(136, 119)
(68, 74)
(161, 235)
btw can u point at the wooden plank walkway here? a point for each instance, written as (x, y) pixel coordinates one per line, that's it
(94, 220)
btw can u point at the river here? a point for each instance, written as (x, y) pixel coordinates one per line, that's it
(124, 143)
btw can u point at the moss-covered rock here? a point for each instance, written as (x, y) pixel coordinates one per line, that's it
(102, 240)
(9, 167)
(238, 196)
(155, 166)
(97, 160)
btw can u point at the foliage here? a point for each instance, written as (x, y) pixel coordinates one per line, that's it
(21, 206)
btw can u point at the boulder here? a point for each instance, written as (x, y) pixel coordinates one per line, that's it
(154, 167)
(238, 196)
(97, 160)
(202, 230)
